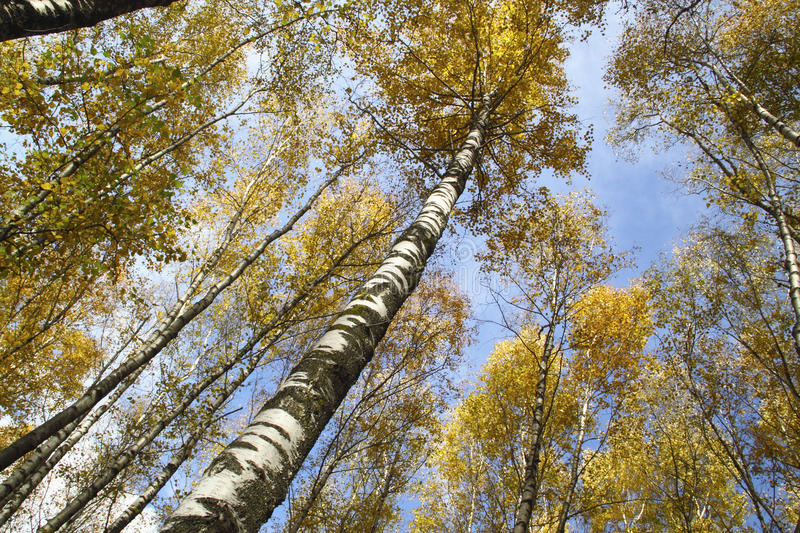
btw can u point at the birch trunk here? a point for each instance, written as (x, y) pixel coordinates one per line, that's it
(790, 264)
(250, 478)
(385, 486)
(180, 315)
(24, 18)
(127, 456)
(161, 479)
(574, 466)
(777, 124)
(530, 485)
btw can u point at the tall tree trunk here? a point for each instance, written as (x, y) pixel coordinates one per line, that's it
(790, 263)
(250, 478)
(23, 481)
(530, 485)
(563, 515)
(24, 18)
(297, 520)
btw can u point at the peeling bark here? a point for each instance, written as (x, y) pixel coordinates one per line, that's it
(251, 477)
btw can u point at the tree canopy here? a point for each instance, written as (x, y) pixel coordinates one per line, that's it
(231, 291)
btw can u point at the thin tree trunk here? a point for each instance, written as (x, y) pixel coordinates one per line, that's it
(777, 124)
(31, 473)
(308, 503)
(385, 486)
(472, 495)
(138, 505)
(150, 492)
(179, 316)
(128, 455)
(790, 253)
(574, 467)
(24, 18)
(250, 478)
(530, 485)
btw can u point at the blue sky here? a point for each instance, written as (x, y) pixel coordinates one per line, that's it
(648, 207)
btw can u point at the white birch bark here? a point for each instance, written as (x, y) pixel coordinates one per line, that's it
(786, 131)
(22, 482)
(251, 477)
(24, 18)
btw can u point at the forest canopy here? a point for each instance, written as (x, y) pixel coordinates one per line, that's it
(251, 254)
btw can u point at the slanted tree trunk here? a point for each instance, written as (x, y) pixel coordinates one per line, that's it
(24, 18)
(777, 124)
(530, 485)
(385, 486)
(23, 481)
(251, 477)
(181, 314)
(791, 266)
(297, 520)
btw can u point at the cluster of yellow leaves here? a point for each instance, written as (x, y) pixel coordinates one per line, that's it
(511, 50)
(477, 466)
(658, 471)
(114, 95)
(607, 334)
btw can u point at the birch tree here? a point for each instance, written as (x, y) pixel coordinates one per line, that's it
(550, 253)
(478, 463)
(24, 18)
(727, 341)
(371, 451)
(244, 484)
(482, 459)
(243, 339)
(694, 73)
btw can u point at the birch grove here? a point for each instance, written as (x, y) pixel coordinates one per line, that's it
(311, 266)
